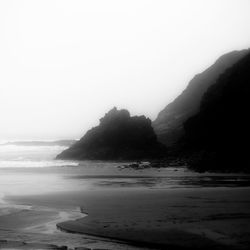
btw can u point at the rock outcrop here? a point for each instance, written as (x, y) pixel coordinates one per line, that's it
(169, 123)
(218, 136)
(118, 137)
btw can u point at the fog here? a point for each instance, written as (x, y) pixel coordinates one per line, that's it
(63, 64)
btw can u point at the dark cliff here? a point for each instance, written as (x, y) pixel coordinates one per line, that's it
(118, 137)
(169, 123)
(218, 136)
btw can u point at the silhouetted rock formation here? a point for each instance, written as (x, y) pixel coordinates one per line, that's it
(169, 123)
(118, 137)
(218, 136)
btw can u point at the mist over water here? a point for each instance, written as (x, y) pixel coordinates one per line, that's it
(17, 155)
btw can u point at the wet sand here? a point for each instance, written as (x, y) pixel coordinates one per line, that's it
(102, 206)
(189, 218)
(16, 245)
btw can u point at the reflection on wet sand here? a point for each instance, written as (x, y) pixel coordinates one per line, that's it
(106, 207)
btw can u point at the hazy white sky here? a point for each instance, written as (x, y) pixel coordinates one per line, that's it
(64, 63)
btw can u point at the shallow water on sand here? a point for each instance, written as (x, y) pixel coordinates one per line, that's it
(32, 171)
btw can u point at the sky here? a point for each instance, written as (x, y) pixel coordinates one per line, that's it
(64, 63)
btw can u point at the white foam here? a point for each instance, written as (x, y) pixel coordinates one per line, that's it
(35, 164)
(31, 156)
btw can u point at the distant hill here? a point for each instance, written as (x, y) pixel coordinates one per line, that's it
(118, 137)
(169, 123)
(218, 135)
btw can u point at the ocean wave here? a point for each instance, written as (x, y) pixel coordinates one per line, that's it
(4, 148)
(29, 155)
(36, 164)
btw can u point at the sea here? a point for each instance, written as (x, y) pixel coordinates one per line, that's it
(30, 168)
(25, 164)
(32, 154)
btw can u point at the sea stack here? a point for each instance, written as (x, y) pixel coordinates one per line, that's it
(119, 136)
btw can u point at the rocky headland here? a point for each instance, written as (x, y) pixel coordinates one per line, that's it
(216, 138)
(119, 136)
(205, 128)
(169, 123)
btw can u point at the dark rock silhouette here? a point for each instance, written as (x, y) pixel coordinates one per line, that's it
(218, 136)
(118, 137)
(169, 123)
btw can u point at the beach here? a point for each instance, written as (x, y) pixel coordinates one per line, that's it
(101, 205)
(135, 209)
(123, 125)
(157, 218)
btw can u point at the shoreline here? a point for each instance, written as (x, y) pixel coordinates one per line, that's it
(121, 216)
(143, 244)
(50, 227)
(198, 232)
(46, 218)
(118, 209)
(5, 244)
